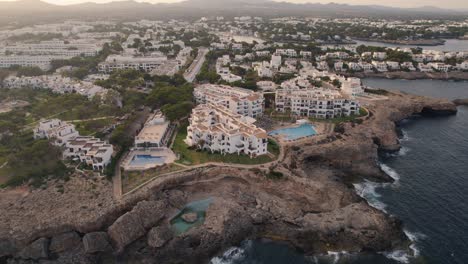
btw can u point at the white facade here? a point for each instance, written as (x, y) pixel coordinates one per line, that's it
(217, 129)
(89, 150)
(56, 130)
(154, 133)
(238, 100)
(43, 61)
(119, 62)
(315, 102)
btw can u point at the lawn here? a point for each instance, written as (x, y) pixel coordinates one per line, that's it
(189, 156)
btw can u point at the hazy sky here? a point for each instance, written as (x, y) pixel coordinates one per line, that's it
(399, 3)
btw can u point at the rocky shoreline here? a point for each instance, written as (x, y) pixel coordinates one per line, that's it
(314, 207)
(454, 76)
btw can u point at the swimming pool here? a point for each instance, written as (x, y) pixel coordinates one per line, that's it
(293, 133)
(146, 159)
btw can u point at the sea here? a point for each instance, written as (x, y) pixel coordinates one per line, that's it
(429, 195)
(449, 45)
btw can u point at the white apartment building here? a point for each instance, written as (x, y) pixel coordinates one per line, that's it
(351, 86)
(393, 65)
(275, 62)
(380, 66)
(42, 61)
(154, 133)
(55, 83)
(286, 52)
(119, 62)
(216, 129)
(59, 132)
(238, 100)
(463, 66)
(169, 68)
(440, 66)
(380, 55)
(89, 150)
(315, 102)
(56, 47)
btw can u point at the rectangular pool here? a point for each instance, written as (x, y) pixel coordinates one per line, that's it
(293, 133)
(145, 159)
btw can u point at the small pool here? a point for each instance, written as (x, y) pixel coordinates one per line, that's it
(146, 159)
(198, 207)
(293, 133)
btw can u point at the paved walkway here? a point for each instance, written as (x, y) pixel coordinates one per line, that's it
(117, 181)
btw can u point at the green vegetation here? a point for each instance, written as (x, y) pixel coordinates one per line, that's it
(192, 156)
(376, 91)
(34, 161)
(174, 101)
(274, 175)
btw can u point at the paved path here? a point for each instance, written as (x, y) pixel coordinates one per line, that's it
(117, 181)
(196, 65)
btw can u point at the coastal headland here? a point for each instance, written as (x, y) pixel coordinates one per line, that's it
(455, 76)
(313, 206)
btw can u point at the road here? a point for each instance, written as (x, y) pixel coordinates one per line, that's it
(196, 65)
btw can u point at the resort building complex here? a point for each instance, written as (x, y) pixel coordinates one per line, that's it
(217, 129)
(237, 100)
(154, 133)
(120, 62)
(316, 102)
(89, 150)
(56, 130)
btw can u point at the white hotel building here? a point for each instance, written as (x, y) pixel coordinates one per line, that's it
(119, 62)
(215, 128)
(55, 47)
(41, 61)
(237, 100)
(315, 102)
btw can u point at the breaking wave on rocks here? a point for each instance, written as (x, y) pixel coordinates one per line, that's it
(231, 256)
(390, 172)
(404, 256)
(367, 190)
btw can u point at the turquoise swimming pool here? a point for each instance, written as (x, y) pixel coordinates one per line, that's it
(293, 133)
(145, 159)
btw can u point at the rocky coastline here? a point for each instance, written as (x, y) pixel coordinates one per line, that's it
(314, 207)
(419, 42)
(454, 76)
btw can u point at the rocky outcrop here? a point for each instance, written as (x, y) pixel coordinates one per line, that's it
(96, 242)
(134, 224)
(461, 101)
(64, 242)
(159, 236)
(38, 249)
(189, 218)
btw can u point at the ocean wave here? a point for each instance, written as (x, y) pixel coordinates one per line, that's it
(398, 255)
(404, 136)
(232, 255)
(390, 172)
(331, 257)
(368, 191)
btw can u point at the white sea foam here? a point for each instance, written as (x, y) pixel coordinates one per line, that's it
(230, 256)
(367, 190)
(398, 255)
(390, 172)
(405, 136)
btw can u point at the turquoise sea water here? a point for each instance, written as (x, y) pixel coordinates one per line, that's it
(198, 207)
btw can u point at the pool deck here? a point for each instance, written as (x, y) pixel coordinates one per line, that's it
(166, 153)
(320, 128)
